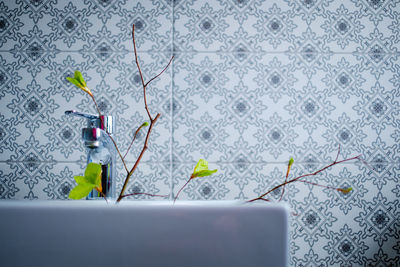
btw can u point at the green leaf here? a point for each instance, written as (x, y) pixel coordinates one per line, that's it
(289, 166)
(78, 76)
(80, 191)
(79, 82)
(203, 173)
(93, 173)
(201, 165)
(145, 124)
(201, 169)
(81, 180)
(91, 180)
(345, 190)
(73, 81)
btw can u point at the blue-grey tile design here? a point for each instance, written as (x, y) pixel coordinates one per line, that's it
(39, 109)
(377, 53)
(158, 93)
(35, 10)
(10, 186)
(9, 74)
(152, 19)
(148, 179)
(343, 27)
(34, 51)
(10, 25)
(252, 84)
(344, 78)
(71, 26)
(346, 246)
(214, 187)
(30, 167)
(382, 218)
(376, 11)
(203, 25)
(61, 180)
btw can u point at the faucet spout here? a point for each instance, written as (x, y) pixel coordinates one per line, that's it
(80, 114)
(100, 149)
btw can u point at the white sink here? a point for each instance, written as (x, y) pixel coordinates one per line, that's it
(152, 233)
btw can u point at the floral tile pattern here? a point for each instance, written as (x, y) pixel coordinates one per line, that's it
(253, 83)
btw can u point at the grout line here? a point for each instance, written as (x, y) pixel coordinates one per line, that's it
(208, 52)
(171, 140)
(193, 163)
(281, 52)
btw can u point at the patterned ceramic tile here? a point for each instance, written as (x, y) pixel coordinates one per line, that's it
(214, 187)
(10, 186)
(203, 25)
(11, 25)
(149, 178)
(60, 181)
(72, 26)
(253, 83)
(152, 19)
(129, 90)
(342, 26)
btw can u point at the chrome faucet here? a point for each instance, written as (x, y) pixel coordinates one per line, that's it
(100, 150)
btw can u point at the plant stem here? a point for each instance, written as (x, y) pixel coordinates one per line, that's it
(104, 196)
(305, 175)
(128, 176)
(177, 195)
(283, 189)
(152, 121)
(133, 140)
(320, 185)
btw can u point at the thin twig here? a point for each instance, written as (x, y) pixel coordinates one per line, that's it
(265, 199)
(283, 189)
(177, 195)
(303, 176)
(152, 121)
(287, 175)
(320, 185)
(155, 77)
(145, 146)
(140, 72)
(104, 196)
(133, 140)
(338, 153)
(366, 163)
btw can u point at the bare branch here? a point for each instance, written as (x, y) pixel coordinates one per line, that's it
(152, 121)
(287, 175)
(177, 195)
(133, 140)
(155, 77)
(140, 72)
(136, 55)
(320, 185)
(305, 175)
(338, 153)
(138, 159)
(104, 196)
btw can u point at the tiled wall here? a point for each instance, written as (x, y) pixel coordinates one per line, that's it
(252, 83)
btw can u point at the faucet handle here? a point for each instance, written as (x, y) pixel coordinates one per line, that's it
(80, 114)
(104, 123)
